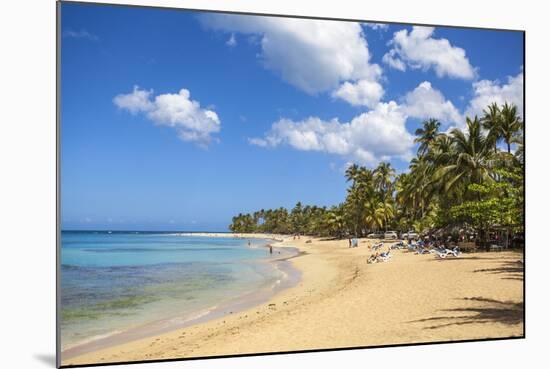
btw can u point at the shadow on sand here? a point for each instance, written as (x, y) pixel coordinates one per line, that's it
(488, 311)
(512, 270)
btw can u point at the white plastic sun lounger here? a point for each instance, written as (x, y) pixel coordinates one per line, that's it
(454, 252)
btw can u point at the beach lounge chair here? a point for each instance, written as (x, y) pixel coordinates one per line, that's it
(397, 246)
(385, 256)
(438, 249)
(372, 259)
(422, 250)
(378, 246)
(454, 252)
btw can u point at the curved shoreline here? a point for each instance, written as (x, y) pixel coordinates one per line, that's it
(290, 277)
(341, 301)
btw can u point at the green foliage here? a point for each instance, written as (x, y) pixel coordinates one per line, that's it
(461, 177)
(500, 203)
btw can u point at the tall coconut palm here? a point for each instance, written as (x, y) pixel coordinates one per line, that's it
(492, 123)
(511, 124)
(385, 211)
(427, 134)
(383, 178)
(373, 217)
(441, 152)
(351, 172)
(472, 162)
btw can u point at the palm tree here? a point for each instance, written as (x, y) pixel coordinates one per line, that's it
(351, 172)
(492, 123)
(335, 221)
(383, 177)
(385, 211)
(427, 134)
(472, 160)
(373, 218)
(520, 151)
(511, 124)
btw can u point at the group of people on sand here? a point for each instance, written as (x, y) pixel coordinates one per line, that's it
(373, 258)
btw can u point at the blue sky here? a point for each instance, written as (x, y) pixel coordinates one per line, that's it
(177, 120)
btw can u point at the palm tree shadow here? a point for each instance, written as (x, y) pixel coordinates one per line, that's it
(512, 270)
(451, 258)
(489, 311)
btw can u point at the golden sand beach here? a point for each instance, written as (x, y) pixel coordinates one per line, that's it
(341, 301)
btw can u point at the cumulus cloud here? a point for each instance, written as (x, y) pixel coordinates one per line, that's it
(191, 122)
(487, 92)
(417, 49)
(392, 59)
(426, 102)
(83, 34)
(379, 134)
(312, 55)
(360, 93)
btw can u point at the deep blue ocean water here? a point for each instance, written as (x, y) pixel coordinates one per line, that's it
(111, 282)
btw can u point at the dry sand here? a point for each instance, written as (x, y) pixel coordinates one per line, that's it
(342, 301)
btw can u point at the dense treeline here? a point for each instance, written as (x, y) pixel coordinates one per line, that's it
(469, 178)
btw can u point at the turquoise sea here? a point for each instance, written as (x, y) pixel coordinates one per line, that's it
(112, 282)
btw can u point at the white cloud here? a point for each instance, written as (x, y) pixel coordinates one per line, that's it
(191, 122)
(377, 26)
(379, 134)
(232, 41)
(487, 92)
(361, 93)
(80, 34)
(392, 59)
(135, 102)
(312, 55)
(427, 102)
(418, 49)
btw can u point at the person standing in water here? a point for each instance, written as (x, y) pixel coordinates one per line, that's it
(270, 249)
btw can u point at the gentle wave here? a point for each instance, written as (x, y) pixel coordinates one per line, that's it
(137, 249)
(110, 282)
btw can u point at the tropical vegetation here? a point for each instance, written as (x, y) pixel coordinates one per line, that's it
(471, 178)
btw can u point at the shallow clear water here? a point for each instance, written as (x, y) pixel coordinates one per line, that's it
(111, 282)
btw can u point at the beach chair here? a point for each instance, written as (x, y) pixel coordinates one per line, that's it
(439, 249)
(385, 256)
(422, 250)
(378, 246)
(372, 259)
(454, 252)
(397, 246)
